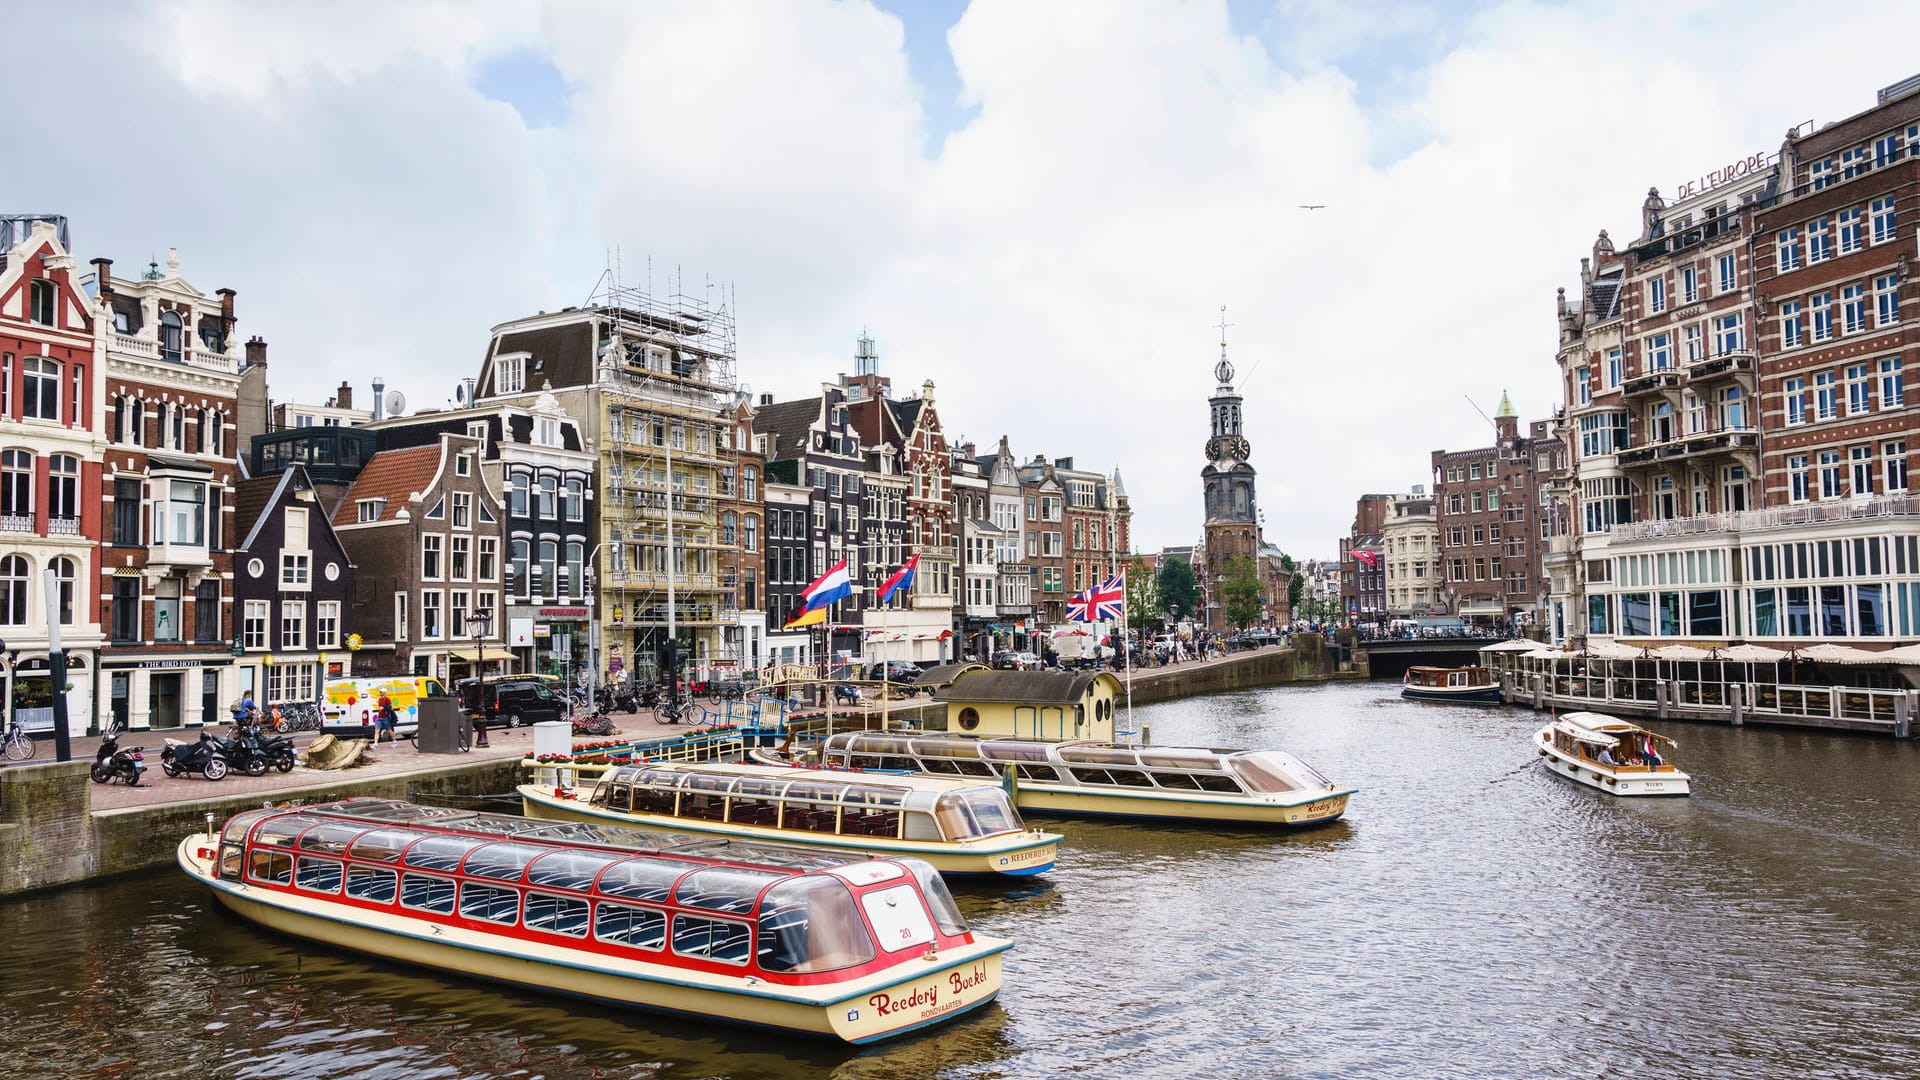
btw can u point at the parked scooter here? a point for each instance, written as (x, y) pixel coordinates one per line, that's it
(611, 699)
(204, 757)
(117, 762)
(260, 749)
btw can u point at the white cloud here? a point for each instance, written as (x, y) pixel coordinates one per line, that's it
(1056, 267)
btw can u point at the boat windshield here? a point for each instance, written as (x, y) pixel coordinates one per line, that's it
(812, 924)
(1262, 774)
(977, 812)
(946, 913)
(236, 828)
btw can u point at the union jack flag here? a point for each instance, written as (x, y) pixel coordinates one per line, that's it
(1100, 602)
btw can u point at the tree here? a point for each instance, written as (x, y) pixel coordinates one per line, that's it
(1179, 592)
(1143, 594)
(1296, 582)
(1242, 592)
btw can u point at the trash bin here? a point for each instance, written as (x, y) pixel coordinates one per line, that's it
(444, 728)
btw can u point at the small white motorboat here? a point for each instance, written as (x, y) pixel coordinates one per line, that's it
(1611, 755)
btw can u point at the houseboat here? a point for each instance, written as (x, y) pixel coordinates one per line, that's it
(860, 951)
(959, 826)
(1083, 778)
(1459, 684)
(1608, 754)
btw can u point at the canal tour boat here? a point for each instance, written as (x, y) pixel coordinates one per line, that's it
(1083, 778)
(1461, 684)
(858, 950)
(1572, 746)
(959, 826)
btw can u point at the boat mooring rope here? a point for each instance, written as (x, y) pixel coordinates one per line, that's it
(426, 798)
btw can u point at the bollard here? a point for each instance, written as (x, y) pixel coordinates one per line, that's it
(1902, 715)
(1735, 696)
(1660, 700)
(1146, 734)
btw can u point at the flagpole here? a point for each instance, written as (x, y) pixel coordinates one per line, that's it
(1126, 625)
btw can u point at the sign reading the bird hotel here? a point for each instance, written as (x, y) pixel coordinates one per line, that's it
(1751, 165)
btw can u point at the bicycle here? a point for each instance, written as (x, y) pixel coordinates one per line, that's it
(295, 716)
(18, 744)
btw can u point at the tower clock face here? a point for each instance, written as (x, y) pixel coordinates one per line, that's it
(1228, 446)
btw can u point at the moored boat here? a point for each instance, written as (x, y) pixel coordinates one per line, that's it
(1611, 755)
(859, 950)
(1462, 684)
(1085, 778)
(959, 826)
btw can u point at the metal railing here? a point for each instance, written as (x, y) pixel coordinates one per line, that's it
(1826, 510)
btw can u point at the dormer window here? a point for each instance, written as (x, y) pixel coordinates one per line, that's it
(477, 430)
(42, 301)
(510, 375)
(370, 509)
(547, 432)
(170, 336)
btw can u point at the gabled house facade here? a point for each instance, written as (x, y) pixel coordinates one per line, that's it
(293, 588)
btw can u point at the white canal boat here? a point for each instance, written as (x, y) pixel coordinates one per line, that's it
(1611, 755)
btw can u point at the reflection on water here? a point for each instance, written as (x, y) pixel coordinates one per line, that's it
(1473, 916)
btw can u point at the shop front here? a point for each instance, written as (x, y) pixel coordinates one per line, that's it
(549, 640)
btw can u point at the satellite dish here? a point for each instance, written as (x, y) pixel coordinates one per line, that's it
(396, 403)
(460, 392)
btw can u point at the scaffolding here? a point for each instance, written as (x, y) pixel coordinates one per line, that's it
(666, 375)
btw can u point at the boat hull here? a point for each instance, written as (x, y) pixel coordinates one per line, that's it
(1627, 783)
(1323, 808)
(872, 1009)
(1462, 695)
(1021, 855)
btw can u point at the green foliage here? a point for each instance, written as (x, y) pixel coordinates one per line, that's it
(1296, 582)
(1241, 592)
(1179, 592)
(1143, 595)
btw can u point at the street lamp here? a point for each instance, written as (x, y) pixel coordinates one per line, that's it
(480, 622)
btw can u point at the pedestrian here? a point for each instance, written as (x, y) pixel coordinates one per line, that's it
(383, 719)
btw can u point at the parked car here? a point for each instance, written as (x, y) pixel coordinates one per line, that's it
(1016, 661)
(514, 700)
(899, 671)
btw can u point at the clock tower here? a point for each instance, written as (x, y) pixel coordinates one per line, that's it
(1233, 518)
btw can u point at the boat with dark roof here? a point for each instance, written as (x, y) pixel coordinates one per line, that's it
(849, 948)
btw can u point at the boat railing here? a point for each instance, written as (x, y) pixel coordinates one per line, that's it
(1857, 704)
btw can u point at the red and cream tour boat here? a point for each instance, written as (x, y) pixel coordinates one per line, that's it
(857, 949)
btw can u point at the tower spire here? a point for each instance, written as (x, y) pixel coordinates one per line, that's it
(1224, 369)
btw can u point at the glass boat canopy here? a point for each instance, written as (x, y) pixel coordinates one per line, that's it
(1080, 763)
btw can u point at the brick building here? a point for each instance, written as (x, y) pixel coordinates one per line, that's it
(1489, 509)
(1363, 582)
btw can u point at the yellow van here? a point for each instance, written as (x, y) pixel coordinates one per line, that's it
(354, 701)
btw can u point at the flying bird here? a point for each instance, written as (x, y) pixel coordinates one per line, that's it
(1313, 206)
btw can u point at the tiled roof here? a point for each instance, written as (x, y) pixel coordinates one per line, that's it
(786, 424)
(391, 475)
(251, 497)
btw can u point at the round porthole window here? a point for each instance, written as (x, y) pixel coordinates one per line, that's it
(333, 571)
(255, 568)
(969, 718)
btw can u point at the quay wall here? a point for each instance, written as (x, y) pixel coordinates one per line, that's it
(50, 836)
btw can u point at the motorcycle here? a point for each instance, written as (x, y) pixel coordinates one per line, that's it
(611, 699)
(204, 757)
(262, 750)
(114, 760)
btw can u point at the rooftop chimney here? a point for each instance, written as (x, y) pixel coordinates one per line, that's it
(103, 279)
(379, 398)
(226, 316)
(256, 351)
(344, 399)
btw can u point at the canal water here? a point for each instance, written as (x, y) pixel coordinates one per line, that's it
(1472, 917)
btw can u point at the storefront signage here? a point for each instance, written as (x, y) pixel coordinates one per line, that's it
(563, 612)
(149, 664)
(1747, 166)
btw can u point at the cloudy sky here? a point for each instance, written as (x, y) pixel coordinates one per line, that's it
(1039, 206)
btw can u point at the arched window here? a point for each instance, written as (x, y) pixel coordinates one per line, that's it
(549, 569)
(517, 487)
(16, 488)
(65, 574)
(14, 579)
(547, 487)
(576, 500)
(729, 527)
(517, 568)
(170, 336)
(63, 488)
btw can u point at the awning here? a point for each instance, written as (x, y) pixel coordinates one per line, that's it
(489, 653)
(1516, 645)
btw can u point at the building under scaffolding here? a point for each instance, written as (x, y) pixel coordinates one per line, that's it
(652, 379)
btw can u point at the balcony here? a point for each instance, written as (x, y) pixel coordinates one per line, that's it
(1724, 366)
(182, 556)
(1698, 445)
(16, 523)
(63, 526)
(1873, 510)
(1653, 382)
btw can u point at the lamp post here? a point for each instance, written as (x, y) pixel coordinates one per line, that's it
(480, 622)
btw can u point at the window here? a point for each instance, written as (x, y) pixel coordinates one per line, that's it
(1795, 392)
(399, 616)
(369, 509)
(575, 582)
(170, 336)
(295, 569)
(463, 465)
(1822, 305)
(517, 581)
(1829, 474)
(66, 575)
(1733, 409)
(510, 377)
(15, 583)
(1820, 174)
(1790, 325)
(1886, 299)
(253, 624)
(1582, 390)
(1819, 242)
(1892, 393)
(457, 613)
(126, 512)
(79, 379)
(1860, 470)
(1616, 369)
(1853, 308)
(1657, 295)
(750, 484)
(1881, 217)
(1729, 274)
(206, 611)
(326, 624)
(16, 488)
(1859, 389)
(431, 546)
(750, 533)
(166, 610)
(40, 392)
(1894, 455)
(182, 519)
(1691, 347)
(1734, 489)
(459, 561)
(548, 581)
(1849, 230)
(1689, 284)
(126, 609)
(293, 624)
(463, 509)
(1823, 396)
(489, 555)
(1727, 337)
(517, 489)
(1787, 247)
(575, 501)
(42, 301)
(1660, 352)
(430, 626)
(1853, 162)
(1885, 149)
(1798, 477)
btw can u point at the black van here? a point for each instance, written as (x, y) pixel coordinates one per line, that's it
(512, 701)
